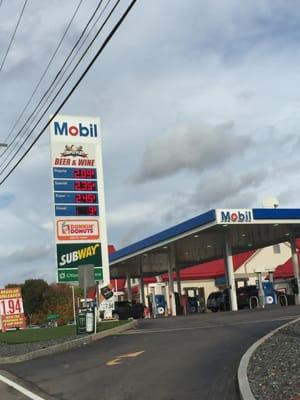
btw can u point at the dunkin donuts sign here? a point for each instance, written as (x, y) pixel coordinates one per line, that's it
(68, 229)
(234, 216)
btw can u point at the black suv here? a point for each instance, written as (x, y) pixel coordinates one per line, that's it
(127, 309)
(247, 297)
(218, 301)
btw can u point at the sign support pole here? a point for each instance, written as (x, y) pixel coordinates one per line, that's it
(171, 266)
(230, 272)
(295, 266)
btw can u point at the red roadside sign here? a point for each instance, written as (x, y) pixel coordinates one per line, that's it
(11, 309)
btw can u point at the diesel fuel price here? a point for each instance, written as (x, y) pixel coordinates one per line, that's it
(87, 210)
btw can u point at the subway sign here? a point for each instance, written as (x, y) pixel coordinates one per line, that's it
(234, 216)
(72, 255)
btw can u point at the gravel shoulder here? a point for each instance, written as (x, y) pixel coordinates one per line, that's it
(10, 350)
(274, 368)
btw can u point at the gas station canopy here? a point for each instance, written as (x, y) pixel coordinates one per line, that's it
(203, 237)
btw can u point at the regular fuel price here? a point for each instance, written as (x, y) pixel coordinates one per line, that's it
(75, 173)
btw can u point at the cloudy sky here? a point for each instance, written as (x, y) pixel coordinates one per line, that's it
(199, 102)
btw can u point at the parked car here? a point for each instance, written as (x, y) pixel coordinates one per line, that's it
(127, 309)
(247, 297)
(285, 299)
(218, 301)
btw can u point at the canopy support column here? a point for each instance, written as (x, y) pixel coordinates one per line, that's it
(141, 282)
(230, 274)
(178, 282)
(129, 291)
(171, 267)
(295, 266)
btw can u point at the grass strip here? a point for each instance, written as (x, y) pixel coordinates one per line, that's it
(45, 334)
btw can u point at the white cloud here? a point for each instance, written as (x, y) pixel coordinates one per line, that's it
(165, 97)
(191, 148)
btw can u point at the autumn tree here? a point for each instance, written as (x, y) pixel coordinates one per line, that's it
(32, 293)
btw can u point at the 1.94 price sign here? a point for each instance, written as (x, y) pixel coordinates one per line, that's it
(11, 306)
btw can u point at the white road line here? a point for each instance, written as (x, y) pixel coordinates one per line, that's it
(20, 389)
(220, 325)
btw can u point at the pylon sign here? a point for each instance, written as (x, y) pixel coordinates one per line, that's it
(78, 195)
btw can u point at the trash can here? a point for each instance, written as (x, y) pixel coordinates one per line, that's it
(81, 323)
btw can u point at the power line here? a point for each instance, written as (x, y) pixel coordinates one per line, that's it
(13, 35)
(105, 43)
(32, 114)
(45, 96)
(45, 71)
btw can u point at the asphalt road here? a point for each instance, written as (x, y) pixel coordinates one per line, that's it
(8, 393)
(194, 357)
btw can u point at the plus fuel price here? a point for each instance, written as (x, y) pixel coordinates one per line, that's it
(85, 186)
(68, 185)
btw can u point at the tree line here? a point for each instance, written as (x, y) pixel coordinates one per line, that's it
(41, 300)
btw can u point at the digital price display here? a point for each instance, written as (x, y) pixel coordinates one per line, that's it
(74, 210)
(75, 173)
(75, 185)
(86, 210)
(75, 198)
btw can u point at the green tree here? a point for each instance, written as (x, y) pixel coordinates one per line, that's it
(32, 293)
(58, 301)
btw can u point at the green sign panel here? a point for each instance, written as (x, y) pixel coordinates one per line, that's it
(72, 255)
(71, 274)
(52, 317)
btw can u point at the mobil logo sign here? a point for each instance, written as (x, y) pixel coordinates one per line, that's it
(234, 216)
(64, 128)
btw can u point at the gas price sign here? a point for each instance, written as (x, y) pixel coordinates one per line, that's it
(78, 195)
(75, 173)
(73, 210)
(72, 185)
(11, 309)
(75, 198)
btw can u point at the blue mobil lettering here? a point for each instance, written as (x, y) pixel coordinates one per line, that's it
(236, 216)
(63, 129)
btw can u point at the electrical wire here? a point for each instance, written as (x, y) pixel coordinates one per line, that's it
(105, 43)
(13, 35)
(70, 60)
(76, 65)
(44, 72)
(45, 96)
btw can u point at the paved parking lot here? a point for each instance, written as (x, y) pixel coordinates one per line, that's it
(163, 359)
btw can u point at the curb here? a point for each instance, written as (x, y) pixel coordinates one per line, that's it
(244, 386)
(72, 344)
